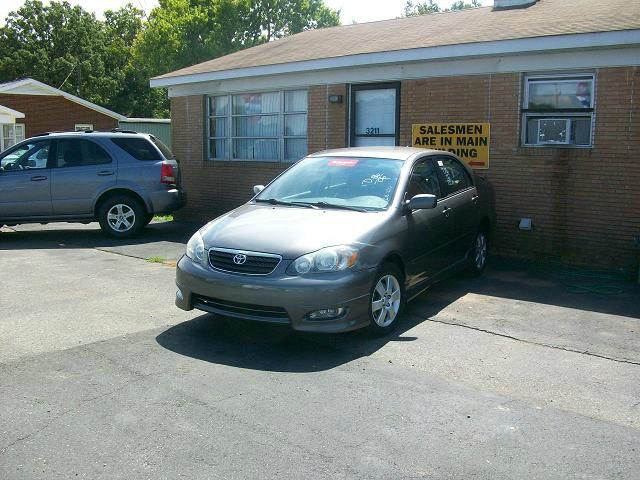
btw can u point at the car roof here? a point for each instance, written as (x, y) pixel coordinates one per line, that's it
(92, 134)
(391, 153)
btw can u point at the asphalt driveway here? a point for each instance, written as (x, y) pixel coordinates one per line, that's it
(512, 375)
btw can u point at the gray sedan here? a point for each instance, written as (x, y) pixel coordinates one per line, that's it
(341, 240)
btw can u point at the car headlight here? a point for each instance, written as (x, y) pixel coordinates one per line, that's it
(195, 249)
(330, 259)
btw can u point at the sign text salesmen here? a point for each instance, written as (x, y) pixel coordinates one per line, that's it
(469, 141)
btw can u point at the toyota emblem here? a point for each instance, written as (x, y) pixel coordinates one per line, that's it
(239, 258)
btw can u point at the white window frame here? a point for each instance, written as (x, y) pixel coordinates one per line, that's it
(229, 115)
(558, 114)
(21, 137)
(80, 127)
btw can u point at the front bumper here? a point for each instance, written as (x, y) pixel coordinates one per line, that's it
(278, 297)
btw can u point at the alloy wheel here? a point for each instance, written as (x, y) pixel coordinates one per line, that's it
(481, 250)
(386, 300)
(121, 217)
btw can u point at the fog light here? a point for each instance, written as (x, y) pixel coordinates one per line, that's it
(326, 313)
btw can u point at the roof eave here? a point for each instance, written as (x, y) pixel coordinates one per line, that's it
(491, 48)
(6, 88)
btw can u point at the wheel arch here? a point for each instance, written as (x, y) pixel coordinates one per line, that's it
(104, 196)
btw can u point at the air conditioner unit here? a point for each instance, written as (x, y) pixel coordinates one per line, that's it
(554, 131)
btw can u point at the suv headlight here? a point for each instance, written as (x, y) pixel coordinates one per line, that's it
(195, 249)
(330, 259)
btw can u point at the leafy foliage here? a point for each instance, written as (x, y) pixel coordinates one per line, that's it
(110, 61)
(430, 6)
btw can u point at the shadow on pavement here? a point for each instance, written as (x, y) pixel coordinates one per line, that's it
(64, 235)
(269, 347)
(261, 346)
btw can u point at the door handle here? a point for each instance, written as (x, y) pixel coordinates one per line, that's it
(446, 211)
(104, 173)
(38, 178)
(475, 198)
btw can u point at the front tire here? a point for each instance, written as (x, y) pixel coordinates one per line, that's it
(386, 300)
(122, 216)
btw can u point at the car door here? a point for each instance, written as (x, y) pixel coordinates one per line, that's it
(462, 197)
(429, 231)
(25, 179)
(82, 168)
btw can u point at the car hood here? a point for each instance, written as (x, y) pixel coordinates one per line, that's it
(288, 231)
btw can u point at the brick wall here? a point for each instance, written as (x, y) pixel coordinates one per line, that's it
(585, 203)
(45, 113)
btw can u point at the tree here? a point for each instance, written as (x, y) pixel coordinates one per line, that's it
(411, 9)
(185, 32)
(430, 6)
(68, 48)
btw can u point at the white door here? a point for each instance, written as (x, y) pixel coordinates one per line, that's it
(374, 115)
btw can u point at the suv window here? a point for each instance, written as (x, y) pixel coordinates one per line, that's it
(168, 154)
(454, 175)
(80, 153)
(29, 156)
(138, 148)
(424, 180)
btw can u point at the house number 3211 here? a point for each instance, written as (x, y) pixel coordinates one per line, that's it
(372, 131)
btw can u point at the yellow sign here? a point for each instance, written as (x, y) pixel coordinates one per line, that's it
(469, 141)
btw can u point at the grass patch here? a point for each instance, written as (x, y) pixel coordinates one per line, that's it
(163, 218)
(162, 261)
(156, 259)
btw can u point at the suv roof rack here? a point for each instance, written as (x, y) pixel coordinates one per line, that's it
(121, 130)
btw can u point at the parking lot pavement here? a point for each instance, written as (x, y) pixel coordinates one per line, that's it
(506, 376)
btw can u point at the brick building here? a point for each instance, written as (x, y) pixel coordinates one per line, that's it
(557, 81)
(39, 108)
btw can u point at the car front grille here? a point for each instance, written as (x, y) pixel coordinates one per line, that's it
(242, 310)
(243, 262)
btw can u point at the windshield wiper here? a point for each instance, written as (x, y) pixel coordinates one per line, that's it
(275, 201)
(336, 206)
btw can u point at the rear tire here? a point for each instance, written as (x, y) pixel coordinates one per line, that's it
(122, 216)
(479, 253)
(386, 300)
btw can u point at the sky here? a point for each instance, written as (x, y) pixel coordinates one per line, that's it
(352, 10)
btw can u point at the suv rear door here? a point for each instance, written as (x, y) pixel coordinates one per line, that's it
(81, 170)
(25, 181)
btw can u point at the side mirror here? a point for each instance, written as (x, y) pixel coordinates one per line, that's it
(258, 188)
(422, 201)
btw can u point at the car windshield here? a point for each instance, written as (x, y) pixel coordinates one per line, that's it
(359, 183)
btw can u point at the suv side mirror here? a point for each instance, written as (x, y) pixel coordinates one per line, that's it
(258, 188)
(421, 201)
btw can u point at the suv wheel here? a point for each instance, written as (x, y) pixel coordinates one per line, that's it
(387, 300)
(122, 216)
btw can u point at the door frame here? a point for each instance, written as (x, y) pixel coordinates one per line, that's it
(352, 109)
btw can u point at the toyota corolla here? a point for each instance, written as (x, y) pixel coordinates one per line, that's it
(341, 240)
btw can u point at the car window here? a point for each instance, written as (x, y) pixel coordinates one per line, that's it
(424, 180)
(453, 174)
(28, 156)
(166, 151)
(138, 148)
(80, 153)
(367, 183)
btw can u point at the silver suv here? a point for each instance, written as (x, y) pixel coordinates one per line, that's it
(119, 178)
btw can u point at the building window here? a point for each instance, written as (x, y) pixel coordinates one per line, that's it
(558, 110)
(84, 127)
(266, 126)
